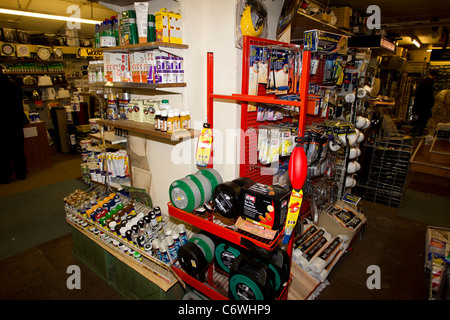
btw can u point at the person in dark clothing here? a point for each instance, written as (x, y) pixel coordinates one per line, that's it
(423, 102)
(12, 159)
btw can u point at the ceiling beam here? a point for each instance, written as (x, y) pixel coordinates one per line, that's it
(416, 24)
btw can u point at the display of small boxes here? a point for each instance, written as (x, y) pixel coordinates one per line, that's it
(341, 220)
(318, 40)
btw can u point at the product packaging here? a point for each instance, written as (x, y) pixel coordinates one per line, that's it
(265, 205)
(116, 67)
(342, 221)
(175, 33)
(151, 34)
(318, 40)
(253, 70)
(278, 73)
(162, 25)
(142, 20)
(128, 28)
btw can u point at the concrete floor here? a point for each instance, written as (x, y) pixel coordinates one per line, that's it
(397, 246)
(394, 244)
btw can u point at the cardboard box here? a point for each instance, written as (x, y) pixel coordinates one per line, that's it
(128, 28)
(265, 205)
(343, 221)
(324, 17)
(175, 32)
(437, 245)
(162, 25)
(318, 40)
(343, 15)
(350, 201)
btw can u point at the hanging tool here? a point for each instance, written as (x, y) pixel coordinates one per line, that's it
(298, 169)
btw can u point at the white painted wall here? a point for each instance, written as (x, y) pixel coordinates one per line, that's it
(209, 26)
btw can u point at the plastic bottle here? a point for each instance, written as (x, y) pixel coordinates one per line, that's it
(157, 211)
(176, 239)
(183, 121)
(97, 36)
(164, 252)
(104, 32)
(171, 248)
(165, 105)
(170, 122)
(101, 29)
(99, 71)
(151, 33)
(181, 228)
(155, 245)
(157, 120)
(116, 31)
(176, 121)
(164, 117)
(91, 72)
(188, 119)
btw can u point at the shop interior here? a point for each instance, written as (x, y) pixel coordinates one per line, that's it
(228, 150)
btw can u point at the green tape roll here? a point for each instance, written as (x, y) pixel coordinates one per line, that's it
(243, 288)
(225, 255)
(185, 195)
(203, 185)
(213, 176)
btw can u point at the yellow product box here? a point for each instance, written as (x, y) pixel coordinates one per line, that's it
(175, 33)
(162, 25)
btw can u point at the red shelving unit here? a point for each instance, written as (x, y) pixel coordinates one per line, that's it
(238, 237)
(215, 283)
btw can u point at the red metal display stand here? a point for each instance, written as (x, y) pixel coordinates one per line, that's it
(215, 282)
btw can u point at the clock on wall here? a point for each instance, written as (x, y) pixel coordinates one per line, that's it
(22, 50)
(43, 53)
(7, 49)
(57, 52)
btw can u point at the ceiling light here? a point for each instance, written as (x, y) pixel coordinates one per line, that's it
(416, 42)
(47, 16)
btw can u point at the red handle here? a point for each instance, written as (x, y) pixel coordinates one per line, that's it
(298, 167)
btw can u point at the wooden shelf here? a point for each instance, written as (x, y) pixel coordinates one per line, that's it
(302, 22)
(136, 85)
(424, 161)
(144, 46)
(163, 277)
(148, 129)
(110, 137)
(52, 85)
(33, 72)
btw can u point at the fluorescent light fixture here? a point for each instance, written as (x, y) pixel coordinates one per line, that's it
(416, 42)
(47, 16)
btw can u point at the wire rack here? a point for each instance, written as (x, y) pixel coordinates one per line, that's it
(388, 171)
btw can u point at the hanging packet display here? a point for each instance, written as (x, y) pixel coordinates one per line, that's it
(204, 146)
